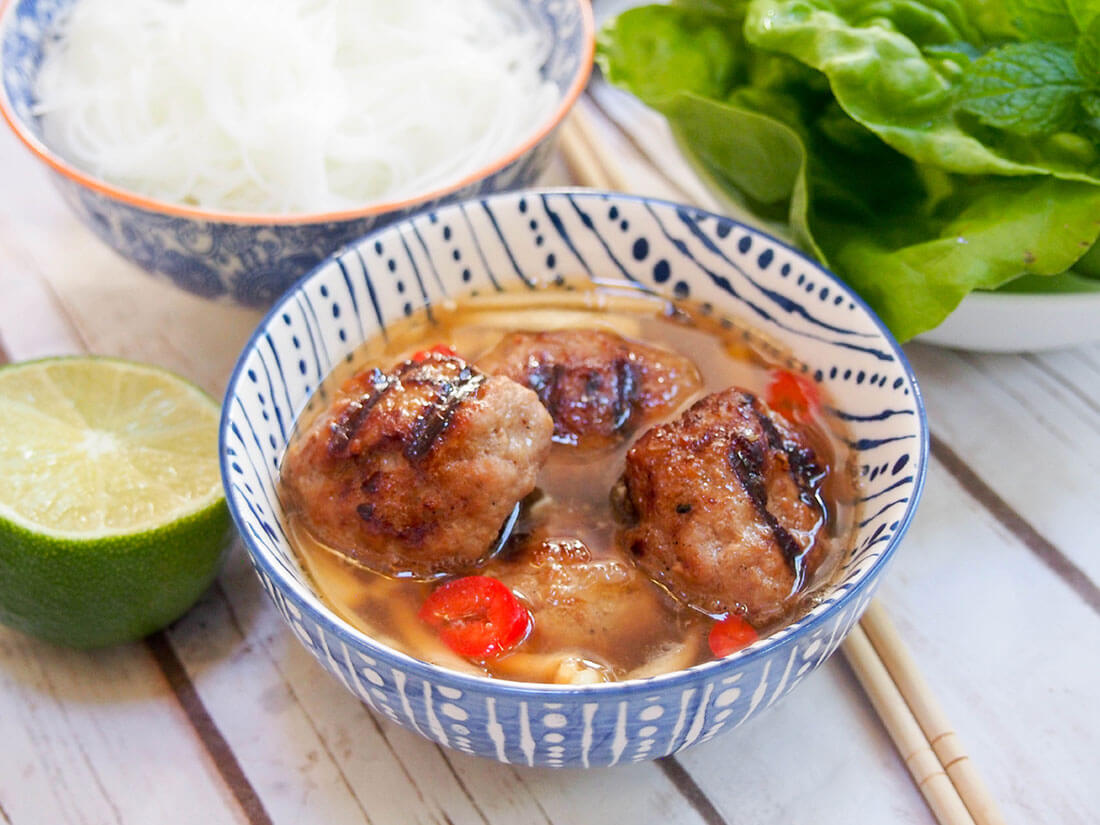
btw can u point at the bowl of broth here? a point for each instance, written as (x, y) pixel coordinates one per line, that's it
(571, 478)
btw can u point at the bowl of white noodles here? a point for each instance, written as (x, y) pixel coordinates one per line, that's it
(229, 147)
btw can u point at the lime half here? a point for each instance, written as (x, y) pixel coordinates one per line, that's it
(112, 515)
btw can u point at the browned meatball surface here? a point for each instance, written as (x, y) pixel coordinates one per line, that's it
(597, 385)
(727, 507)
(578, 602)
(596, 608)
(413, 471)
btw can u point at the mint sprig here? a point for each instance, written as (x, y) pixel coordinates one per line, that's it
(1024, 88)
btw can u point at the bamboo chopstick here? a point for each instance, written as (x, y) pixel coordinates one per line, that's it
(941, 795)
(941, 736)
(583, 164)
(888, 674)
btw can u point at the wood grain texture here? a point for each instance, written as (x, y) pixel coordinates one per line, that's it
(1006, 642)
(1058, 563)
(797, 757)
(32, 324)
(212, 740)
(690, 790)
(117, 310)
(1032, 441)
(97, 737)
(285, 717)
(939, 731)
(939, 792)
(1002, 638)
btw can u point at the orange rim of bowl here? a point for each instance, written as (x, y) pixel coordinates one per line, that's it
(46, 155)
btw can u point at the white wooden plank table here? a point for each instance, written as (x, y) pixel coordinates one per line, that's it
(224, 717)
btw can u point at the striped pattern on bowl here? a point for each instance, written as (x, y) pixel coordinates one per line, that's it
(536, 241)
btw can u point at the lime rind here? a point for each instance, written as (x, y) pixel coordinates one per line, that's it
(112, 516)
(120, 588)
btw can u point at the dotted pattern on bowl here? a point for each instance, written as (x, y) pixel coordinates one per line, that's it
(537, 240)
(250, 263)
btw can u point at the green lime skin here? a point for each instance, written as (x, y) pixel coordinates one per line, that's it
(105, 591)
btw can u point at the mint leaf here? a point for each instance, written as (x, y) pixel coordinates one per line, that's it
(1050, 20)
(1024, 88)
(1087, 57)
(884, 81)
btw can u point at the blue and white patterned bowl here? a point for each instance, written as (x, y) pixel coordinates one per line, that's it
(525, 241)
(252, 259)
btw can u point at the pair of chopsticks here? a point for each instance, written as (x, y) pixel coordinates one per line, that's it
(887, 672)
(915, 721)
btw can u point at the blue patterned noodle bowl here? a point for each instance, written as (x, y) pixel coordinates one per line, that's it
(252, 259)
(529, 241)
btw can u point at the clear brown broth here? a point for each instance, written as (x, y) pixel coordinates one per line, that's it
(659, 633)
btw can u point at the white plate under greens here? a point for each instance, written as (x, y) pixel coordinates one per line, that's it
(1017, 322)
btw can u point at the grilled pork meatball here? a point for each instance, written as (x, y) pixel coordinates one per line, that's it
(577, 601)
(589, 607)
(597, 385)
(726, 507)
(413, 471)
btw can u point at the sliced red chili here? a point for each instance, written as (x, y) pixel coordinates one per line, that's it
(477, 616)
(730, 635)
(438, 349)
(794, 396)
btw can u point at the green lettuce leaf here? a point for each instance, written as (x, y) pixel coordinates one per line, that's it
(655, 51)
(912, 237)
(1088, 266)
(1091, 104)
(1047, 20)
(1083, 11)
(884, 79)
(987, 234)
(1066, 283)
(994, 20)
(1087, 57)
